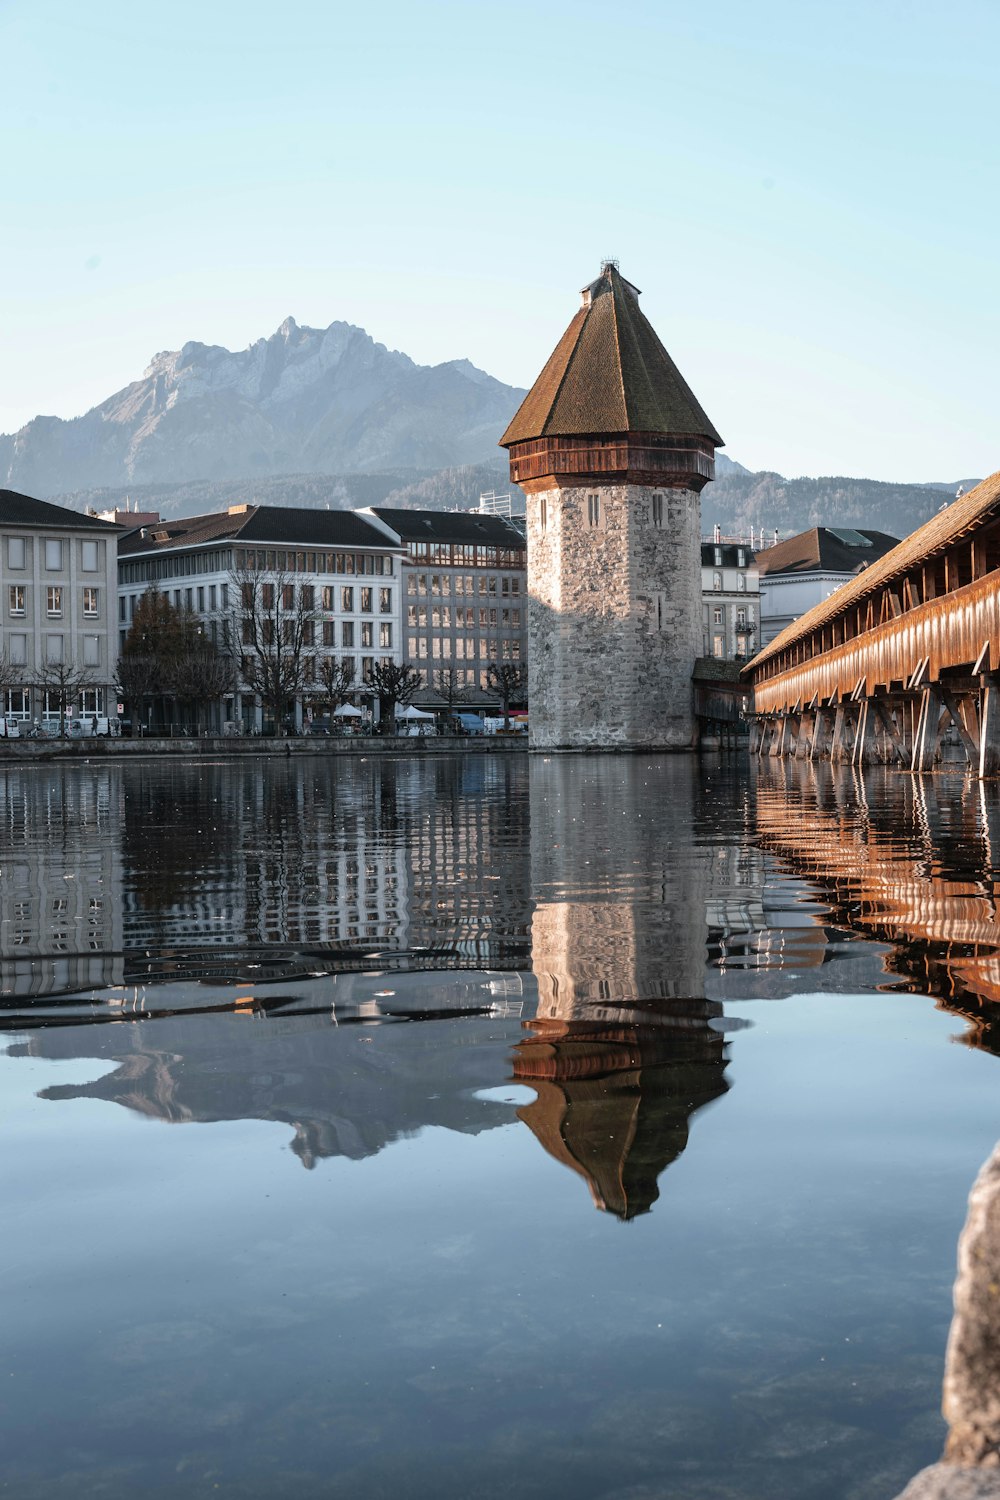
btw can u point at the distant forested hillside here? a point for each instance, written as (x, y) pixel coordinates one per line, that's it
(738, 501)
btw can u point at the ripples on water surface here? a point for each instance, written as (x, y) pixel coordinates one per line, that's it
(584, 1127)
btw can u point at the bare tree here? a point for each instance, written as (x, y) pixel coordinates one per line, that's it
(274, 637)
(449, 687)
(392, 683)
(62, 682)
(334, 682)
(508, 680)
(199, 674)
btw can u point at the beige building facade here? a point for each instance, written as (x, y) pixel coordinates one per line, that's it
(58, 584)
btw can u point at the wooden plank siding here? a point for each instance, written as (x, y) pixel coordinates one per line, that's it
(949, 631)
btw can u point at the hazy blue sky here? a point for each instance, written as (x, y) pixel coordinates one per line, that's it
(805, 192)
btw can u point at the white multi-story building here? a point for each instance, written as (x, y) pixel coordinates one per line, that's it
(58, 581)
(806, 569)
(347, 566)
(730, 599)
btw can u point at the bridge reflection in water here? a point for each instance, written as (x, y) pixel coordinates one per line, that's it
(912, 862)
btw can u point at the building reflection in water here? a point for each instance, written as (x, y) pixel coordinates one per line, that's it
(61, 926)
(911, 862)
(624, 1048)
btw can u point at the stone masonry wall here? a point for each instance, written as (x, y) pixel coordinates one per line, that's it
(614, 618)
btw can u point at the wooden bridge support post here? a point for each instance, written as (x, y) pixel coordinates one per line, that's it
(756, 731)
(866, 741)
(838, 743)
(928, 735)
(821, 734)
(896, 737)
(807, 727)
(989, 734)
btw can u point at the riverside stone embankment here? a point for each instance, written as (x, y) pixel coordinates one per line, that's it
(215, 747)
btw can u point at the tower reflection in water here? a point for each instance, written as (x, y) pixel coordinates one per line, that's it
(624, 1048)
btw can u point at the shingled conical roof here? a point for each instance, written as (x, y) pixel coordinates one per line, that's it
(609, 373)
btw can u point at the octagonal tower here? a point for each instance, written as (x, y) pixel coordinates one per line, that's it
(613, 451)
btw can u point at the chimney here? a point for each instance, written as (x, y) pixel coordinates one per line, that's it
(717, 533)
(776, 536)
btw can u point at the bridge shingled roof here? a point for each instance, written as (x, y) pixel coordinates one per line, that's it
(609, 373)
(935, 536)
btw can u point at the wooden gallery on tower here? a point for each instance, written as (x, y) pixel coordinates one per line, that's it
(613, 451)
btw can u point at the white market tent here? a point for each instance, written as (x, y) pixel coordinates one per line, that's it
(347, 711)
(409, 712)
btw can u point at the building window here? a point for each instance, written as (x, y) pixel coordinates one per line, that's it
(717, 615)
(18, 703)
(92, 701)
(53, 599)
(717, 581)
(90, 602)
(17, 647)
(719, 646)
(212, 597)
(741, 558)
(17, 598)
(593, 510)
(366, 600)
(54, 649)
(53, 555)
(347, 600)
(88, 557)
(347, 633)
(385, 601)
(367, 635)
(15, 551)
(91, 650)
(657, 510)
(718, 557)
(741, 619)
(385, 634)
(328, 637)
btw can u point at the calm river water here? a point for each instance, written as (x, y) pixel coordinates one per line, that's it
(591, 1127)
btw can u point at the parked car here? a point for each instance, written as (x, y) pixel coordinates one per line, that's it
(10, 728)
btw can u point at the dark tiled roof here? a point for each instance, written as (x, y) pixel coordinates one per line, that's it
(609, 374)
(451, 526)
(935, 536)
(22, 510)
(730, 554)
(822, 550)
(278, 525)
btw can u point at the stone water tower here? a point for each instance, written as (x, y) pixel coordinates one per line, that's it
(613, 451)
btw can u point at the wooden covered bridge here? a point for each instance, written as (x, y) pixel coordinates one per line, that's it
(906, 651)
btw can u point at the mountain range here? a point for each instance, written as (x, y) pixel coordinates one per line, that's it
(330, 418)
(304, 400)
